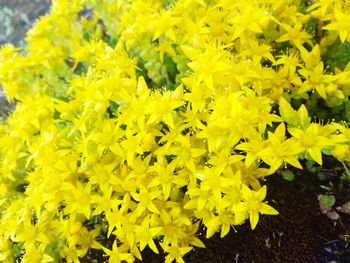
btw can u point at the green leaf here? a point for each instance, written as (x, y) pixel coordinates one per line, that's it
(337, 55)
(288, 176)
(327, 150)
(347, 110)
(321, 176)
(326, 200)
(17, 249)
(292, 117)
(288, 114)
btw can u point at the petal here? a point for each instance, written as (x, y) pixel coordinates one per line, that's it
(246, 192)
(254, 183)
(202, 203)
(333, 26)
(240, 218)
(267, 210)
(342, 35)
(261, 193)
(295, 132)
(153, 246)
(294, 162)
(250, 159)
(211, 231)
(253, 218)
(275, 164)
(321, 90)
(225, 228)
(195, 241)
(315, 154)
(241, 208)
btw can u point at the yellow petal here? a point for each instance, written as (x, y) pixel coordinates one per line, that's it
(241, 208)
(261, 193)
(246, 192)
(315, 154)
(253, 218)
(343, 35)
(153, 246)
(240, 218)
(294, 162)
(195, 241)
(267, 210)
(225, 228)
(276, 163)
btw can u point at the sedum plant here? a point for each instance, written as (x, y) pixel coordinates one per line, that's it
(138, 121)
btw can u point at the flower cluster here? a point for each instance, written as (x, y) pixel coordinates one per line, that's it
(137, 121)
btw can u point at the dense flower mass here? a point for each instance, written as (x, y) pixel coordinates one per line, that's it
(138, 120)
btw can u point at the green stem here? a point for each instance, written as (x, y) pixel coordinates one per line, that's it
(346, 168)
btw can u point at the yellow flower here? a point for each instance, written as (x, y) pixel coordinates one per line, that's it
(342, 25)
(252, 204)
(119, 254)
(175, 252)
(280, 150)
(311, 141)
(162, 107)
(314, 79)
(247, 20)
(34, 254)
(164, 25)
(166, 177)
(252, 147)
(29, 233)
(223, 220)
(341, 151)
(295, 34)
(146, 200)
(207, 64)
(146, 234)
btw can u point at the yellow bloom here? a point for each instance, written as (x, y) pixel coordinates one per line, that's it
(252, 204)
(207, 64)
(119, 254)
(314, 79)
(146, 233)
(341, 151)
(166, 177)
(146, 200)
(311, 141)
(29, 233)
(164, 25)
(294, 34)
(342, 25)
(162, 107)
(280, 150)
(175, 253)
(223, 220)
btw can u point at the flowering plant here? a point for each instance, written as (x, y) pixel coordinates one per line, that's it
(152, 117)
